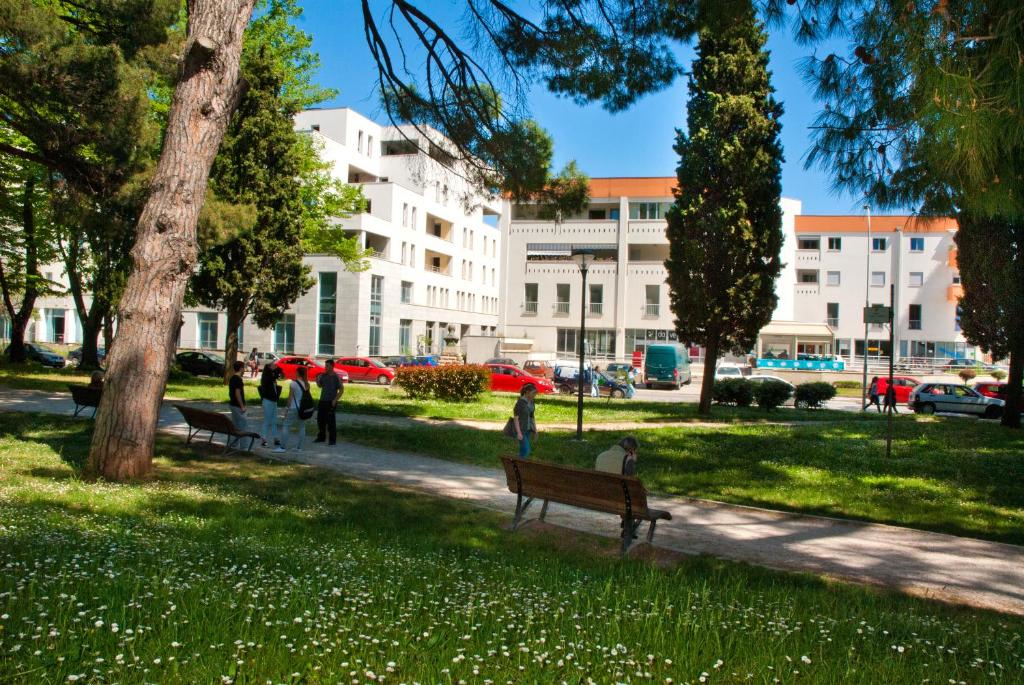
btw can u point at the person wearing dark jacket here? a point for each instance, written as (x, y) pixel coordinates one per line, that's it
(330, 390)
(270, 393)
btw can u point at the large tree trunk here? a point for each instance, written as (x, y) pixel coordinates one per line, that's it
(1011, 413)
(707, 382)
(21, 315)
(165, 246)
(235, 317)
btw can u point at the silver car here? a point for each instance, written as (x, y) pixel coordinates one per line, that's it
(928, 398)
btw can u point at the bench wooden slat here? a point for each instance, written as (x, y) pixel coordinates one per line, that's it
(624, 496)
(199, 420)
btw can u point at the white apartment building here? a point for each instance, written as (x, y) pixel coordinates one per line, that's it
(823, 281)
(839, 267)
(434, 264)
(627, 301)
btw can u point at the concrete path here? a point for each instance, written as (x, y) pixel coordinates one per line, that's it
(952, 569)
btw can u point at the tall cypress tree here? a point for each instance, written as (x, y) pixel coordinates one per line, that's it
(725, 228)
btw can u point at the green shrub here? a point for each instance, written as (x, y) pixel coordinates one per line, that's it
(966, 374)
(998, 374)
(813, 395)
(176, 375)
(849, 385)
(771, 394)
(737, 391)
(454, 383)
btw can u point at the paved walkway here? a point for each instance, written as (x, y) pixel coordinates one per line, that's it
(953, 569)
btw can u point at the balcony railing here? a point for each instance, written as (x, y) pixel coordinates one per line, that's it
(596, 308)
(561, 308)
(832, 322)
(529, 308)
(438, 270)
(651, 311)
(915, 324)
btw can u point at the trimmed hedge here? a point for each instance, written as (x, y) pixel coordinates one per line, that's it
(813, 395)
(966, 374)
(998, 374)
(454, 383)
(849, 385)
(736, 391)
(771, 394)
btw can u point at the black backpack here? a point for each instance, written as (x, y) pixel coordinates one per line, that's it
(306, 404)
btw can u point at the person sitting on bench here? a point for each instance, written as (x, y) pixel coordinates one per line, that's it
(619, 458)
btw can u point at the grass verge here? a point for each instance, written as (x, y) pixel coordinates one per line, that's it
(239, 571)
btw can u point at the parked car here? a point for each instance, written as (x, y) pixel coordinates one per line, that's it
(955, 365)
(902, 385)
(421, 360)
(618, 370)
(365, 370)
(507, 378)
(764, 378)
(732, 370)
(75, 356)
(928, 398)
(502, 360)
(667, 365)
(606, 386)
(538, 368)
(996, 390)
(200, 363)
(288, 365)
(41, 355)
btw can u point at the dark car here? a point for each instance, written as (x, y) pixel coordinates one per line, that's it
(200, 363)
(421, 360)
(41, 355)
(394, 362)
(75, 356)
(606, 386)
(502, 360)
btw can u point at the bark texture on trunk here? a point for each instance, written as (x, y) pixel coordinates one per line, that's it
(231, 342)
(707, 382)
(1011, 413)
(21, 314)
(165, 247)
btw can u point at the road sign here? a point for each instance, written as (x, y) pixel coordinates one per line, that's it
(877, 313)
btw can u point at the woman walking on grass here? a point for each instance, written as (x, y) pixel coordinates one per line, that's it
(298, 391)
(270, 393)
(522, 416)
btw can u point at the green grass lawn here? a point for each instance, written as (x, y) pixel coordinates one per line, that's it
(946, 474)
(387, 401)
(246, 571)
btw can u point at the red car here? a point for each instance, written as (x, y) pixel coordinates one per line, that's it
(995, 389)
(506, 378)
(288, 365)
(365, 370)
(903, 385)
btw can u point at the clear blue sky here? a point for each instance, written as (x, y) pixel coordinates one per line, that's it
(637, 142)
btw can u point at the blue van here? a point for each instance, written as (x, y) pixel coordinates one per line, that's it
(667, 365)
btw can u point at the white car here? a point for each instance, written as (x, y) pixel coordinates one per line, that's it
(762, 378)
(730, 370)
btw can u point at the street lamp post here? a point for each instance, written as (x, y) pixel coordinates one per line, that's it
(867, 303)
(583, 258)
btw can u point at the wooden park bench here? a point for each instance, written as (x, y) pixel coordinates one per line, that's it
(623, 496)
(200, 420)
(85, 397)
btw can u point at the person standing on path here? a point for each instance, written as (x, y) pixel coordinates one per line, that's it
(254, 362)
(326, 418)
(270, 393)
(873, 395)
(522, 416)
(236, 396)
(297, 391)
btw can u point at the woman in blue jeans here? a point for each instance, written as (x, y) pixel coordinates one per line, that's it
(270, 393)
(522, 415)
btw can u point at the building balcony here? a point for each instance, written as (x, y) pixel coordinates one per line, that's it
(561, 308)
(530, 308)
(652, 311)
(915, 325)
(954, 292)
(832, 323)
(596, 308)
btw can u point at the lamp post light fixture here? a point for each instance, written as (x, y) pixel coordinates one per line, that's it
(583, 259)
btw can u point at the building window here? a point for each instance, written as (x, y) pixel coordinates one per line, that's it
(917, 244)
(835, 244)
(915, 317)
(530, 298)
(567, 341)
(916, 279)
(809, 276)
(832, 278)
(328, 313)
(406, 292)
(562, 298)
(405, 215)
(56, 320)
(376, 291)
(877, 279)
(832, 314)
(648, 210)
(369, 146)
(412, 218)
(412, 255)
(809, 243)
(597, 214)
(652, 300)
(207, 331)
(596, 298)
(405, 336)
(879, 244)
(956, 318)
(284, 334)
(359, 142)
